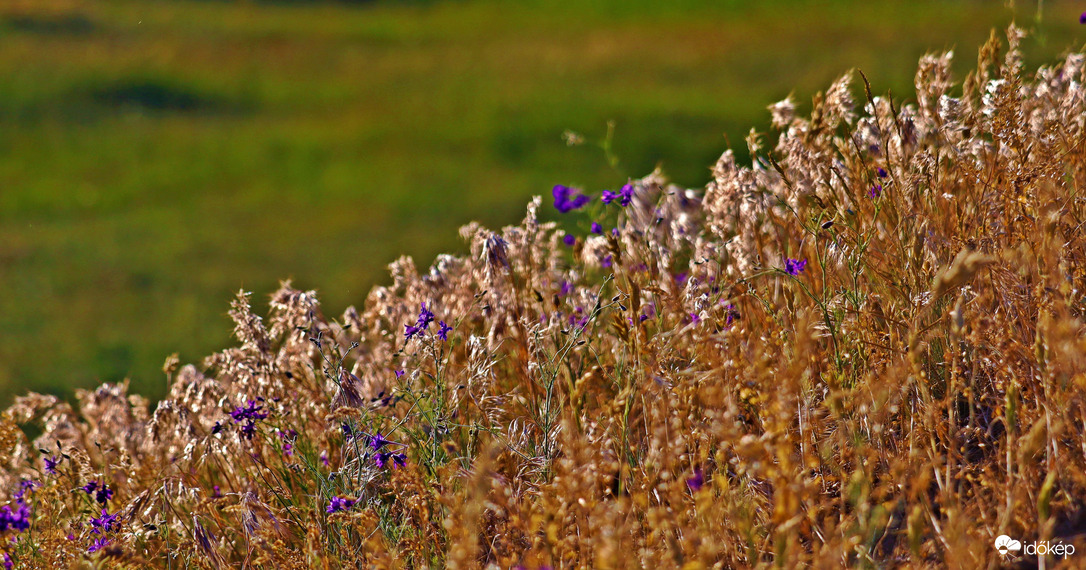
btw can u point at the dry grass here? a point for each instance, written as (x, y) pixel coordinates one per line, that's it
(665, 396)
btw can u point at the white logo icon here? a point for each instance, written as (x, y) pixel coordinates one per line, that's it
(1005, 544)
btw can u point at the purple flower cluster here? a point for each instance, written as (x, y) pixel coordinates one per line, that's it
(623, 196)
(444, 331)
(51, 464)
(105, 523)
(419, 328)
(18, 519)
(386, 458)
(567, 199)
(794, 266)
(731, 314)
(578, 318)
(24, 486)
(338, 504)
(875, 191)
(98, 544)
(249, 415)
(378, 441)
(102, 493)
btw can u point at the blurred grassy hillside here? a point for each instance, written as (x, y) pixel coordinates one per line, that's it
(155, 156)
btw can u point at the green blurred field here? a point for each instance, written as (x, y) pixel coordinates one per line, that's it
(155, 156)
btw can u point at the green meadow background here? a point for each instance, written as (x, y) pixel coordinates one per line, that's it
(158, 155)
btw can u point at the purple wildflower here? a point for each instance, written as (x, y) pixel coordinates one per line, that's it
(216, 492)
(1082, 18)
(248, 430)
(419, 328)
(19, 519)
(882, 172)
(695, 318)
(623, 196)
(607, 261)
(24, 486)
(98, 544)
(697, 481)
(102, 493)
(444, 332)
(251, 411)
(249, 414)
(324, 458)
(377, 441)
(51, 464)
(731, 315)
(875, 191)
(338, 504)
(614, 232)
(569, 240)
(389, 459)
(347, 431)
(105, 523)
(8, 564)
(566, 199)
(650, 311)
(794, 266)
(567, 288)
(425, 317)
(399, 374)
(597, 228)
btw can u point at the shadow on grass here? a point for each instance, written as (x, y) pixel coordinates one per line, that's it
(72, 24)
(156, 94)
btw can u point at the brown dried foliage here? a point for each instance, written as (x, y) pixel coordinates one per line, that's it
(916, 391)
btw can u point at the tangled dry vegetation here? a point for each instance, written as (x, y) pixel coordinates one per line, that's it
(865, 349)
